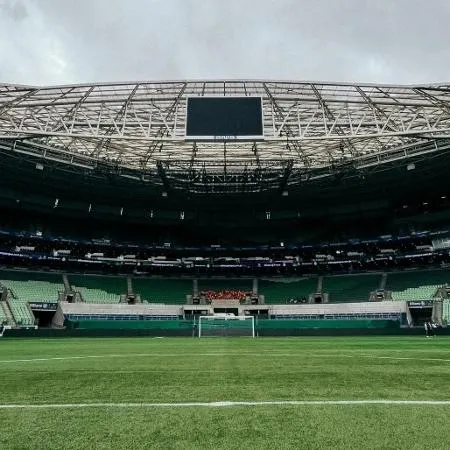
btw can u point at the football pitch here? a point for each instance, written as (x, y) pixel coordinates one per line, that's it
(225, 393)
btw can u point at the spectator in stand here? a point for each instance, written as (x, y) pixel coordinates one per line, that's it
(229, 294)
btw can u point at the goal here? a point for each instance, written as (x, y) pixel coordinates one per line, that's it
(226, 325)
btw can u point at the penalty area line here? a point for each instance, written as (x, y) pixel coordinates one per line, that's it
(225, 404)
(220, 354)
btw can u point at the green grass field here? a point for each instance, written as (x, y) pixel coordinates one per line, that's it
(118, 371)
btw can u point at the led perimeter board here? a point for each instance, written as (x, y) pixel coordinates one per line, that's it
(224, 118)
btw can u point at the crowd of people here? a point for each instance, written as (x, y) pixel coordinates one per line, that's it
(227, 294)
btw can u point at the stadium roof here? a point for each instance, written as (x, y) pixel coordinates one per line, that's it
(311, 129)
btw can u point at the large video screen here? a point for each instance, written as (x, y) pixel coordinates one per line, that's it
(224, 118)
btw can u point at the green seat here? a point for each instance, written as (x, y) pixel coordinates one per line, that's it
(163, 290)
(282, 290)
(20, 311)
(27, 286)
(417, 284)
(418, 293)
(350, 288)
(99, 289)
(228, 284)
(33, 286)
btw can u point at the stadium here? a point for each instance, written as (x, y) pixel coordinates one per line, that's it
(229, 209)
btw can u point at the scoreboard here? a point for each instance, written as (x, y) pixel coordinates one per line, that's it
(224, 118)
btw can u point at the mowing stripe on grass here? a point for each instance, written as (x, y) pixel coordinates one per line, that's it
(191, 355)
(225, 404)
(159, 355)
(124, 355)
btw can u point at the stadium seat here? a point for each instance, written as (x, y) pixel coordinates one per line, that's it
(21, 312)
(231, 284)
(26, 286)
(416, 285)
(282, 290)
(418, 293)
(222, 289)
(350, 288)
(160, 290)
(98, 289)
(33, 286)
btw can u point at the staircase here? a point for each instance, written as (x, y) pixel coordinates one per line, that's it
(129, 286)
(9, 317)
(383, 281)
(66, 283)
(319, 284)
(438, 309)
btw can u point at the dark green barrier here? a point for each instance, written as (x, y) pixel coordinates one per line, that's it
(184, 325)
(181, 332)
(263, 327)
(58, 333)
(268, 324)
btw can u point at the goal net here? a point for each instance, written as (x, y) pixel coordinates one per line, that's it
(209, 326)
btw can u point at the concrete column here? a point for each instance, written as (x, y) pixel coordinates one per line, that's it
(255, 287)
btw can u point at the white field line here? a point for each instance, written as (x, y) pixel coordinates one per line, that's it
(223, 404)
(164, 355)
(193, 355)
(400, 358)
(139, 355)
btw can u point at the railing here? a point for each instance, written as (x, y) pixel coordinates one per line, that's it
(121, 317)
(380, 316)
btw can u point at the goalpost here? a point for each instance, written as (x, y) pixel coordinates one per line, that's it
(226, 325)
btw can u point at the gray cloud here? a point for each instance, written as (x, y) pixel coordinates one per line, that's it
(13, 9)
(55, 42)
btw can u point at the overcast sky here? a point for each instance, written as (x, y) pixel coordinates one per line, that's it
(73, 41)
